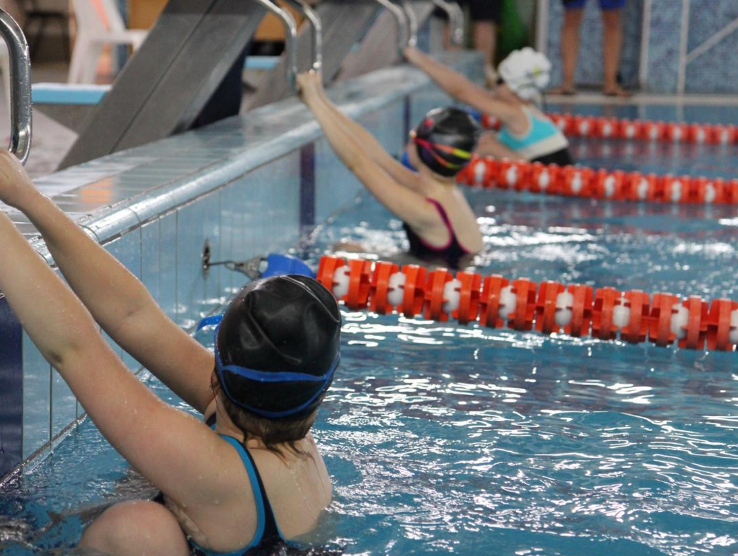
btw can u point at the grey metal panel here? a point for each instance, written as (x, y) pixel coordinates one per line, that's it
(379, 47)
(166, 84)
(72, 116)
(344, 24)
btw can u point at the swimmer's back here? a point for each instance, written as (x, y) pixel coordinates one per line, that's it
(297, 488)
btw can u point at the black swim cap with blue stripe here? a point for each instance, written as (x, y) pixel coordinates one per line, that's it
(278, 346)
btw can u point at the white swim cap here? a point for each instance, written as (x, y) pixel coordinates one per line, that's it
(526, 72)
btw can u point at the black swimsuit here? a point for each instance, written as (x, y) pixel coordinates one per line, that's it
(267, 537)
(453, 253)
(561, 158)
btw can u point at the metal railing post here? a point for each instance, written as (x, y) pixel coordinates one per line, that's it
(317, 35)
(290, 39)
(455, 19)
(412, 23)
(402, 25)
(20, 87)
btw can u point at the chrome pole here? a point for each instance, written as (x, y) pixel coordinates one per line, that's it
(402, 25)
(20, 87)
(312, 16)
(455, 19)
(412, 22)
(290, 39)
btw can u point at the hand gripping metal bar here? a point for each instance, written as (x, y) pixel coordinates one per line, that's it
(455, 18)
(290, 39)
(20, 87)
(317, 26)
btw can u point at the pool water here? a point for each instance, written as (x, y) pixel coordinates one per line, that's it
(443, 438)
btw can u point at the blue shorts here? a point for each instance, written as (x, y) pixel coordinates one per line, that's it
(604, 4)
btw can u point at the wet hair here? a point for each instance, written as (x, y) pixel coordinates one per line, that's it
(277, 349)
(278, 436)
(446, 139)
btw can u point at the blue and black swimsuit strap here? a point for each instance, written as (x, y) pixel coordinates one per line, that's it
(271, 532)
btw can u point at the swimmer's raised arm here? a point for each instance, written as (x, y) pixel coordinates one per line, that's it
(397, 170)
(117, 300)
(405, 203)
(464, 90)
(169, 447)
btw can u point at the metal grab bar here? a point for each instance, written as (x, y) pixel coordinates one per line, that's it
(20, 87)
(290, 39)
(312, 16)
(412, 23)
(402, 25)
(455, 19)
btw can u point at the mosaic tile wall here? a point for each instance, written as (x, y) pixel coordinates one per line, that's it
(715, 72)
(589, 68)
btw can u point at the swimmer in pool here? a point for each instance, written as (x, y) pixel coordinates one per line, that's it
(439, 223)
(248, 476)
(527, 133)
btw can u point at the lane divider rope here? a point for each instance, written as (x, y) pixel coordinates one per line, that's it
(579, 181)
(494, 301)
(645, 130)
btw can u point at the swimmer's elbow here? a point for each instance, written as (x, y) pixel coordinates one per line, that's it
(69, 350)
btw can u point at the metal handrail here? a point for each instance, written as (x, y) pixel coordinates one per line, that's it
(402, 24)
(412, 23)
(455, 18)
(312, 16)
(290, 40)
(20, 87)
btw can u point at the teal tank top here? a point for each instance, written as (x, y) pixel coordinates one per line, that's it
(542, 138)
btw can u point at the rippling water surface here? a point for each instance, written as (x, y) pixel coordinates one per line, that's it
(442, 438)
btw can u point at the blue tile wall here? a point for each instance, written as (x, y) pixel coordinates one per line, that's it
(337, 184)
(63, 404)
(36, 399)
(589, 67)
(197, 296)
(168, 263)
(150, 258)
(383, 125)
(11, 389)
(663, 46)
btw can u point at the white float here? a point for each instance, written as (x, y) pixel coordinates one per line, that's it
(396, 288)
(508, 302)
(451, 296)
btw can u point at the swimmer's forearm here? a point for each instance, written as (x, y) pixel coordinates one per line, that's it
(50, 313)
(372, 147)
(105, 286)
(461, 88)
(337, 135)
(447, 79)
(122, 305)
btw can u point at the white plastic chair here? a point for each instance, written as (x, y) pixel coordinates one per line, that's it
(98, 23)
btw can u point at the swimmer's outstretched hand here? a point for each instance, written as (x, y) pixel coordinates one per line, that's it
(310, 85)
(15, 185)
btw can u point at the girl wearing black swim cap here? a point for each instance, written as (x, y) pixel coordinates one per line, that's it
(252, 480)
(527, 133)
(440, 225)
